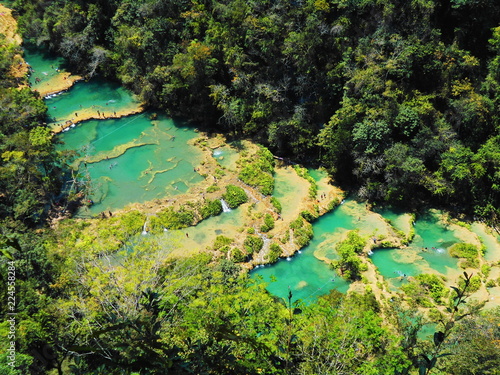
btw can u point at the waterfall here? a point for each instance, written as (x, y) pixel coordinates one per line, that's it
(144, 231)
(225, 207)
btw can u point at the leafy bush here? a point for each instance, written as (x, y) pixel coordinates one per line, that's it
(309, 216)
(425, 286)
(276, 203)
(172, 219)
(221, 241)
(350, 264)
(132, 222)
(253, 244)
(211, 208)
(268, 223)
(466, 251)
(474, 286)
(212, 188)
(257, 171)
(237, 255)
(234, 196)
(274, 253)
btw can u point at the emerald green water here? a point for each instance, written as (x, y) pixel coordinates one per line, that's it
(44, 65)
(134, 159)
(95, 95)
(490, 240)
(305, 275)
(131, 159)
(226, 156)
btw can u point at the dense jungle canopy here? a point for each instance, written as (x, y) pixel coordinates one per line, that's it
(397, 98)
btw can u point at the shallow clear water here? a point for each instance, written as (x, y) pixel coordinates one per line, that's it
(415, 259)
(131, 159)
(134, 159)
(490, 240)
(305, 275)
(89, 98)
(398, 219)
(44, 65)
(317, 174)
(226, 156)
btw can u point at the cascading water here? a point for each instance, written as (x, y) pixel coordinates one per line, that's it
(225, 207)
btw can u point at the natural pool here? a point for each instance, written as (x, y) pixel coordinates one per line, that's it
(129, 159)
(136, 159)
(93, 98)
(133, 159)
(45, 66)
(307, 279)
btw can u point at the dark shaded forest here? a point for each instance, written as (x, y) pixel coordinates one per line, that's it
(397, 99)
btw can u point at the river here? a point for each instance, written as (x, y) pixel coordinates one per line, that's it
(146, 156)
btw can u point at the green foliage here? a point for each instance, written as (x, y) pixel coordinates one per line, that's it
(221, 241)
(172, 219)
(268, 223)
(276, 204)
(253, 244)
(350, 264)
(302, 232)
(309, 216)
(234, 196)
(238, 256)
(212, 189)
(257, 171)
(473, 283)
(211, 208)
(304, 173)
(466, 251)
(398, 107)
(274, 253)
(425, 286)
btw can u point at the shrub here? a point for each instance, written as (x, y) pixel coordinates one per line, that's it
(237, 255)
(485, 270)
(268, 223)
(302, 231)
(176, 220)
(466, 251)
(212, 188)
(257, 171)
(309, 216)
(234, 196)
(426, 285)
(276, 203)
(253, 244)
(221, 241)
(285, 238)
(132, 222)
(211, 208)
(274, 253)
(491, 284)
(474, 286)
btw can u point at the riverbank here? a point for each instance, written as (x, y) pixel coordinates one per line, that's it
(251, 214)
(86, 114)
(8, 27)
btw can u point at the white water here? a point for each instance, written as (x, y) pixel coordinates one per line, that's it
(225, 207)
